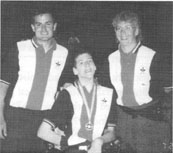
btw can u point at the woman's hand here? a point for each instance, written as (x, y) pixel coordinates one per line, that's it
(96, 146)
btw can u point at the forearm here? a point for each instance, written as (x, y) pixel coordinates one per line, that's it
(3, 92)
(2, 109)
(96, 145)
(46, 133)
(108, 136)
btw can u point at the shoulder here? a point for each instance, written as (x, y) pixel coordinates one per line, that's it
(26, 41)
(146, 53)
(146, 49)
(63, 94)
(63, 98)
(61, 48)
(71, 89)
(25, 44)
(112, 55)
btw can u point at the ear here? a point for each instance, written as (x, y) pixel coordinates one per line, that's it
(136, 31)
(32, 27)
(95, 68)
(75, 72)
(54, 26)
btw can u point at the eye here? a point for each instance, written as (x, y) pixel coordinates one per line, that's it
(90, 61)
(81, 63)
(49, 23)
(128, 28)
(37, 24)
(117, 29)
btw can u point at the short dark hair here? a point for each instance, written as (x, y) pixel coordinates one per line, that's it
(79, 51)
(131, 17)
(40, 11)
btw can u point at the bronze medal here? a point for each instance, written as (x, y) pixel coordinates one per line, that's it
(89, 126)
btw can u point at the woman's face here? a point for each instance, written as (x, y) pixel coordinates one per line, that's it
(126, 33)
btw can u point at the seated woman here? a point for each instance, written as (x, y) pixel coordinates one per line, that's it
(84, 114)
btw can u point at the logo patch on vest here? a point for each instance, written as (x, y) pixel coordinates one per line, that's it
(104, 100)
(58, 63)
(142, 69)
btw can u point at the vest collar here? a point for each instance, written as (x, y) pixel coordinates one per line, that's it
(36, 45)
(135, 50)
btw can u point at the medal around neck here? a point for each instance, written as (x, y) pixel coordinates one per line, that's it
(88, 126)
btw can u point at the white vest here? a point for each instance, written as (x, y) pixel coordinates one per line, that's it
(104, 99)
(27, 64)
(142, 76)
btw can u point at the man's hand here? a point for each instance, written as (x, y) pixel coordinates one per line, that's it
(3, 128)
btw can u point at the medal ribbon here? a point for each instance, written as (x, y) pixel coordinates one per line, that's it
(89, 111)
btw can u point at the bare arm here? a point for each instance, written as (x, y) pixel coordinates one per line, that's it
(3, 92)
(9, 75)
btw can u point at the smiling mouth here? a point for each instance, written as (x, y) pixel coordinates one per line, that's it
(123, 38)
(44, 36)
(88, 71)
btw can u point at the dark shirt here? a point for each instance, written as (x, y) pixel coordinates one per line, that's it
(62, 112)
(157, 81)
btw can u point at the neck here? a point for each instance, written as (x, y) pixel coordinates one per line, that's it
(129, 48)
(45, 44)
(87, 83)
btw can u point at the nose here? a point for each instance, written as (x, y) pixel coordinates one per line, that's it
(123, 31)
(87, 64)
(43, 29)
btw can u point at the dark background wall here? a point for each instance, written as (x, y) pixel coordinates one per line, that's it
(91, 22)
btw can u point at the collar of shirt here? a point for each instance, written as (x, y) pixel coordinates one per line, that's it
(134, 51)
(36, 45)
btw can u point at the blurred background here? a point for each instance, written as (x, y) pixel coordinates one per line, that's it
(90, 22)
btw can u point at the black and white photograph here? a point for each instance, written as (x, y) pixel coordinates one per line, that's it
(86, 76)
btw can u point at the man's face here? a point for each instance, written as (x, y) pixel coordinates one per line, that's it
(126, 33)
(43, 27)
(85, 67)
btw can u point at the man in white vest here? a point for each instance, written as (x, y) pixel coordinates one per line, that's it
(135, 75)
(29, 81)
(83, 113)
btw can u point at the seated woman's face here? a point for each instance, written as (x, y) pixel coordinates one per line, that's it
(85, 66)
